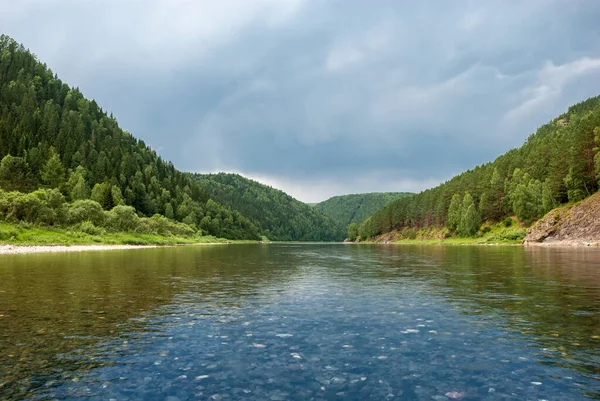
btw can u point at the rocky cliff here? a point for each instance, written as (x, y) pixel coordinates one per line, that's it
(571, 225)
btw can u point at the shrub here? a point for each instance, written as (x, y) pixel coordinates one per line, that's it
(44, 206)
(24, 207)
(159, 224)
(514, 234)
(89, 228)
(122, 218)
(507, 222)
(85, 210)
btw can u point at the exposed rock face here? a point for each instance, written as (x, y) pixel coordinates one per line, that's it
(574, 225)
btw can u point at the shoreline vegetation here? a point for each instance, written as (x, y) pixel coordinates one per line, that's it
(65, 162)
(69, 175)
(549, 184)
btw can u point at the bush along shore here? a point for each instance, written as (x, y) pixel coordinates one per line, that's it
(576, 224)
(43, 217)
(507, 232)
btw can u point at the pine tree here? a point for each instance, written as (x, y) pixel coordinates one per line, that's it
(575, 185)
(454, 212)
(169, 211)
(53, 172)
(486, 205)
(15, 174)
(191, 219)
(102, 193)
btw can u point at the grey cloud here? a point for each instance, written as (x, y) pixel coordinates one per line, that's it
(323, 97)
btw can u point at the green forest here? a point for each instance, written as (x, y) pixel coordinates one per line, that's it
(558, 164)
(66, 164)
(277, 215)
(356, 208)
(61, 152)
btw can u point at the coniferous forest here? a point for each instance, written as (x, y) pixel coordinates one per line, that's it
(66, 162)
(560, 163)
(356, 208)
(277, 215)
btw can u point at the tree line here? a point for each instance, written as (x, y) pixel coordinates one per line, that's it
(560, 163)
(356, 208)
(278, 216)
(53, 138)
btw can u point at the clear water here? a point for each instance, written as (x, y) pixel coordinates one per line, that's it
(301, 322)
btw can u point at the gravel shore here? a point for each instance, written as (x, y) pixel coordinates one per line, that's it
(22, 249)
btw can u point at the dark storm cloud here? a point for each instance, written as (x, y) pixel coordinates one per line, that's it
(320, 98)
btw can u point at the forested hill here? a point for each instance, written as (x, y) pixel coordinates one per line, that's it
(559, 163)
(355, 208)
(53, 138)
(279, 216)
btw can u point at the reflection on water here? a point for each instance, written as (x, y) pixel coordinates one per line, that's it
(301, 322)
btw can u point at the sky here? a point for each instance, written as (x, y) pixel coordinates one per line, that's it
(322, 97)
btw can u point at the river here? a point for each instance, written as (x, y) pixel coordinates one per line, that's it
(300, 322)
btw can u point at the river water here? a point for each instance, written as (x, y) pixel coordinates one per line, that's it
(301, 322)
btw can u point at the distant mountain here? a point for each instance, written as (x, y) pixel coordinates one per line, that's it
(355, 208)
(277, 215)
(560, 163)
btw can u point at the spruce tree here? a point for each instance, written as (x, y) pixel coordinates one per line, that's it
(169, 211)
(53, 172)
(15, 174)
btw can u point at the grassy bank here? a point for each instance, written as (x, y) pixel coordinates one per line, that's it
(26, 234)
(508, 232)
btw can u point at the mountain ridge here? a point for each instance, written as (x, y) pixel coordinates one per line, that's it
(355, 208)
(280, 216)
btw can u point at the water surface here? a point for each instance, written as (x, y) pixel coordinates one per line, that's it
(277, 322)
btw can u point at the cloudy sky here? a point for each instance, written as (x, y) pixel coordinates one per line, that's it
(322, 97)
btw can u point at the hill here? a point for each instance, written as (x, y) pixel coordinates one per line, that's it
(560, 163)
(278, 216)
(66, 149)
(355, 208)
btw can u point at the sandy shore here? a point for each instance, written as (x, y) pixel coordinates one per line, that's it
(22, 249)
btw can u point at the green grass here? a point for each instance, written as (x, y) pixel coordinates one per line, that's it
(25, 234)
(503, 233)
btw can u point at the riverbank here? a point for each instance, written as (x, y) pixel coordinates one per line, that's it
(572, 225)
(28, 239)
(509, 233)
(24, 249)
